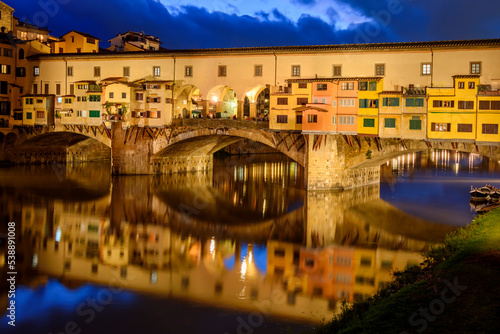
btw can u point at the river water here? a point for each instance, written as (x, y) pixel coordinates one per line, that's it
(240, 249)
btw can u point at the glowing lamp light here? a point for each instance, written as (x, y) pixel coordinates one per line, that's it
(214, 98)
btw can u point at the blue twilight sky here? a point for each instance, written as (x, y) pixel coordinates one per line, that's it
(236, 23)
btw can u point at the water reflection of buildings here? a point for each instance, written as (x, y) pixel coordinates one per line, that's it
(304, 258)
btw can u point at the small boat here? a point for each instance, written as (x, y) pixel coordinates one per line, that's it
(480, 194)
(488, 207)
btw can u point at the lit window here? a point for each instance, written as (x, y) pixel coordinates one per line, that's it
(337, 70)
(475, 68)
(426, 69)
(36, 70)
(156, 71)
(258, 70)
(296, 71)
(379, 69)
(188, 71)
(222, 70)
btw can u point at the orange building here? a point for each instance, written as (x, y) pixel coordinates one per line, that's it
(347, 102)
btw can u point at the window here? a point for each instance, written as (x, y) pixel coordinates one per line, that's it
(94, 113)
(414, 102)
(302, 101)
(415, 123)
(282, 119)
(347, 103)
(295, 70)
(111, 95)
(337, 70)
(366, 261)
(59, 99)
(464, 127)
(390, 123)
(58, 89)
(379, 69)
(484, 105)
(4, 87)
(35, 89)
(5, 108)
(78, 50)
(323, 100)
(258, 70)
(97, 71)
(5, 69)
(282, 101)
(363, 85)
(67, 100)
(7, 52)
(29, 115)
(312, 118)
(139, 96)
(222, 71)
(94, 98)
(321, 87)
(188, 71)
(347, 86)
(346, 120)
(126, 71)
(40, 114)
(465, 104)
(475, 68)
(84, 99)
(373, 86)
(302, 84)
(472, 85)
(369, 122)
(390, 102)
(426, 68)
(334, 120)
(156, 71)
(298, 119)
(495, 105)
(368, 103)
(461, 85)
(490, 129)
(124, 95)
(441, 127)
(70, 71)
(20, 72)
(21, 54)
(90, 40)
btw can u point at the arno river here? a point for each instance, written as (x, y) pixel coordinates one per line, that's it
(240, 248)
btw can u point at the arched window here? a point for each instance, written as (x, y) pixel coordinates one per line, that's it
(21, 53)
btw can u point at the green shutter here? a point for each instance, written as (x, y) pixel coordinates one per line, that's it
(419, 102)
(385, 101)
(390, 122)
(410, 102)
(373, 85)
(369, 122)
(415, 124)
(94, 113)
(394, 102)
(28, 115)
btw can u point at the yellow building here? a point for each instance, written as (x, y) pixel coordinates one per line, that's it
(390, 114)
(116, 99)
(67, 112)
(488, 114)
(94, 108)
(414, 113)
(452, 111)
(364, 272)
(76, 42)
(284, 100)
(38, 110)
(368, 109)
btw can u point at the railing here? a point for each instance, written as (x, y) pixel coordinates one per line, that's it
(218, 122)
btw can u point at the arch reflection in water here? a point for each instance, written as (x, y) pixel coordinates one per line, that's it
(236, 237)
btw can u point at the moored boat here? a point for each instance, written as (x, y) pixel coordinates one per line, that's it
(480, 194)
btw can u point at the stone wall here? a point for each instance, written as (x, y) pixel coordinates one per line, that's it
(88, 150)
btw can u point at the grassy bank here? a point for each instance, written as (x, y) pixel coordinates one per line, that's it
(455, 290)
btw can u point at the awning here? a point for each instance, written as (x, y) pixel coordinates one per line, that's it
(310, 108)
(65, 111)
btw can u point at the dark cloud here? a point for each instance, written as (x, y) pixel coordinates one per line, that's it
(195, 27)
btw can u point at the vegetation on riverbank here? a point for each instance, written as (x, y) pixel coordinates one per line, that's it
(456, 289)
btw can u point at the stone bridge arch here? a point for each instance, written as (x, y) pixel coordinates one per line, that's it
(41, 144)
(192, 148)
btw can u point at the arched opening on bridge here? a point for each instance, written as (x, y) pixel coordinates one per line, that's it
(59, 147)
(188, 102)
(256, 103)
(223, 102)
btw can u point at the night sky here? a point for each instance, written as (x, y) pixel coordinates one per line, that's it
(236, 23)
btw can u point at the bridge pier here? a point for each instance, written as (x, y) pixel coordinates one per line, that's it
(327, 165)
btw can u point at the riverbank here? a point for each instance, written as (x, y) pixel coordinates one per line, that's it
(456, 289)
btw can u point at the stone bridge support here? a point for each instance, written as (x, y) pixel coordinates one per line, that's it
(328, 165)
